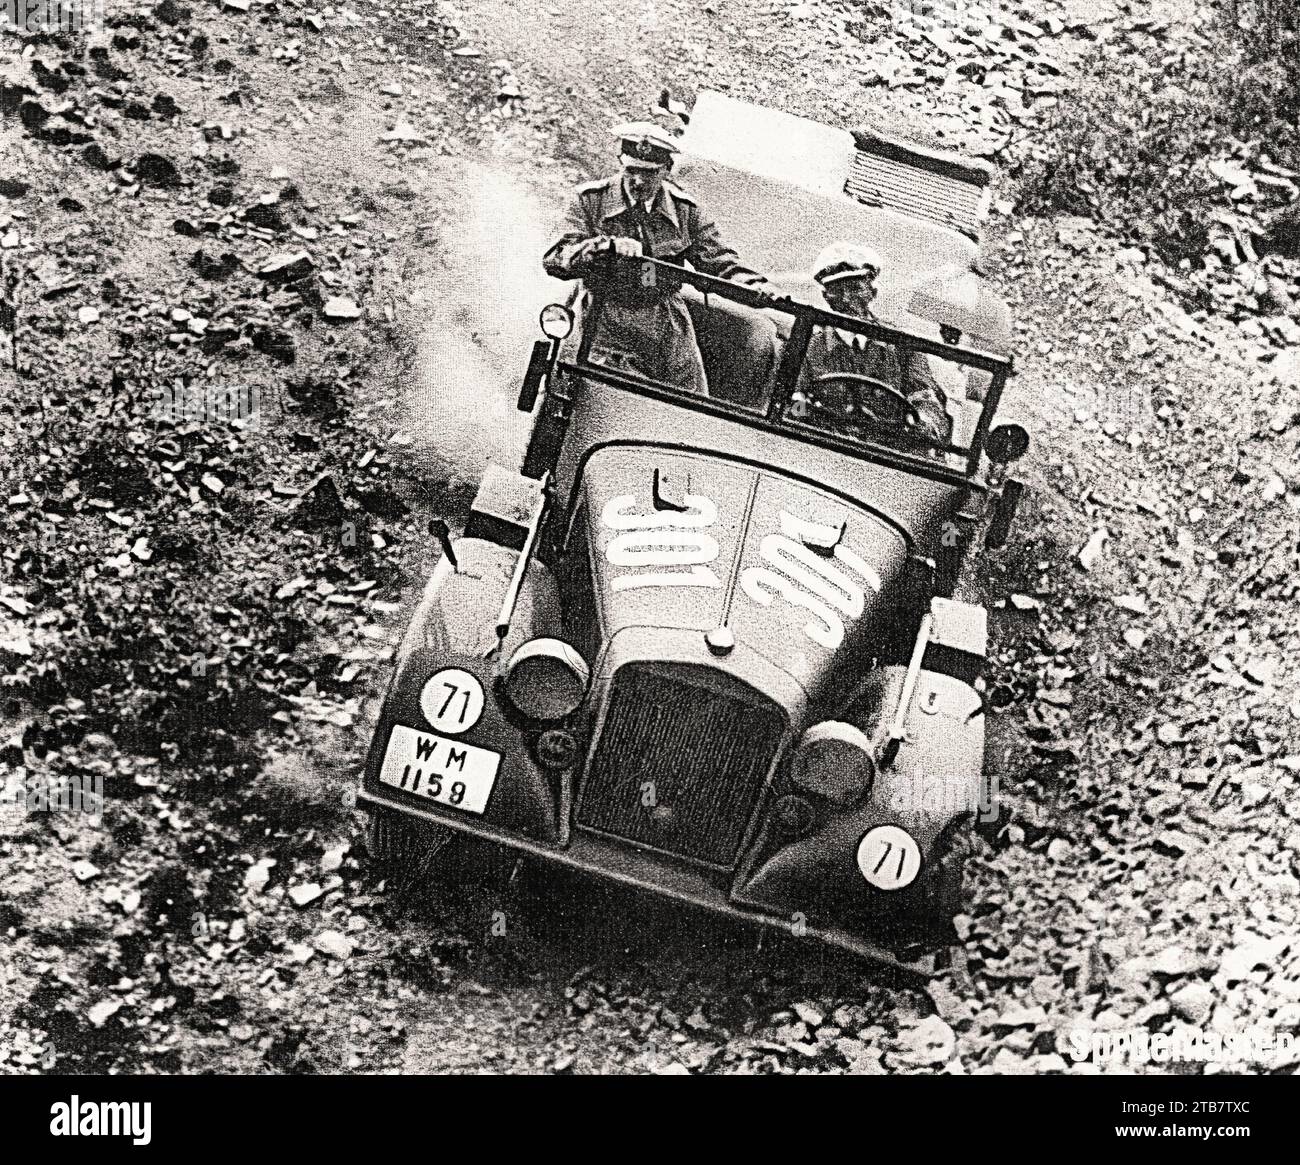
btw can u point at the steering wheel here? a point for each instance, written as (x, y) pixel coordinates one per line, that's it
(888, 406)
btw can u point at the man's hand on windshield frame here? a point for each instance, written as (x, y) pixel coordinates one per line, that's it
(627, 248)
(768, 296)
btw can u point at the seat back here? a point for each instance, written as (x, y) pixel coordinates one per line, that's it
(739, 348)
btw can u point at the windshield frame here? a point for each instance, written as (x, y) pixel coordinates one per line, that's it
(805, 319)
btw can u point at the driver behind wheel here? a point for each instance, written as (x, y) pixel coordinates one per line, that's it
(847, 275)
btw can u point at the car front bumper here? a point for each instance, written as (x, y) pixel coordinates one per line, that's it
(660, 875)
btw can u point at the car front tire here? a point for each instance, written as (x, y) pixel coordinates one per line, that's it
(401, 844)
(411, 853)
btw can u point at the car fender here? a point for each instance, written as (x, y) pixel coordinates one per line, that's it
(454, 626)
(934, 780)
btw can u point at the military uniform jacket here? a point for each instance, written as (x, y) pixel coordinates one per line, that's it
(831, 350)
(675, 230)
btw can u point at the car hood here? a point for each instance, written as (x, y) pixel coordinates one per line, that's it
(688, 542)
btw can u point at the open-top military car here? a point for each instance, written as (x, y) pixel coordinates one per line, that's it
(720, 647)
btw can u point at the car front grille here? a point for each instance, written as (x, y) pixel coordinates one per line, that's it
(680, 761)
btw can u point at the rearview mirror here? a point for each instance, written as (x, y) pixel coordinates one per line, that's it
(1007, 443)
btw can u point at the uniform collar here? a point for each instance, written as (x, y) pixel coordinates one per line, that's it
(854, 339)
(663, 204)
(849, 339)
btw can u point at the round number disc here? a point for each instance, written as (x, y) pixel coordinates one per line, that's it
(452, 701)
(889, 857)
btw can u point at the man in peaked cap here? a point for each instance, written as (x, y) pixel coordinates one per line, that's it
(645, 327)
(847, 273)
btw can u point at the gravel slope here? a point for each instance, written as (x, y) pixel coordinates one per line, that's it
(226, 918)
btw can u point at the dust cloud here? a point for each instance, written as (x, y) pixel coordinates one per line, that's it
(482, 322)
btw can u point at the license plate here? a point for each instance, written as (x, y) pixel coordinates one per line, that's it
(450, 772)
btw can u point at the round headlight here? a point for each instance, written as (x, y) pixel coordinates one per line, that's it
(546, 679)
(834, 760)
(556, 321)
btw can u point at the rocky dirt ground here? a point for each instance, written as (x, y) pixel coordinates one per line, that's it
(341, 210)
